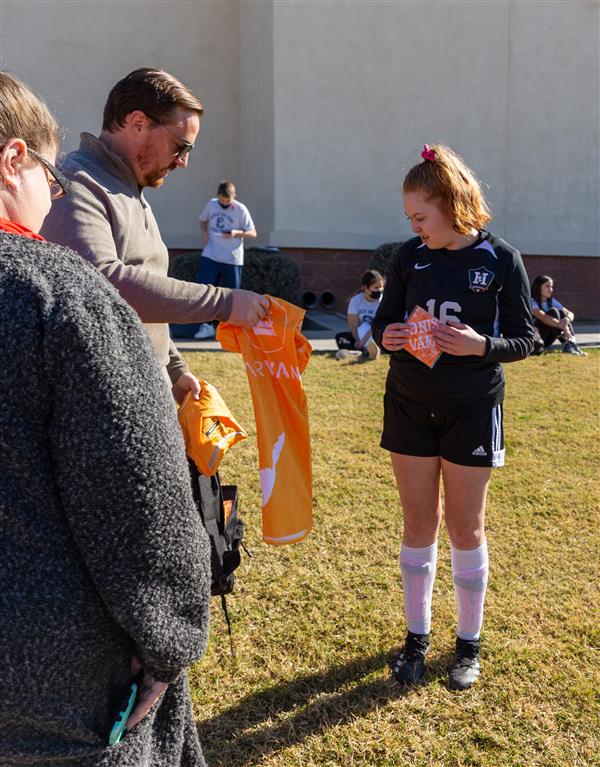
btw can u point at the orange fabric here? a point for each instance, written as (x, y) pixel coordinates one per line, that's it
(421, 343)
(209, 429)
(11, 227)
(275, 353)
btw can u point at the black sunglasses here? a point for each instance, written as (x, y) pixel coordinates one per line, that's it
(183, 147)
(59, 184)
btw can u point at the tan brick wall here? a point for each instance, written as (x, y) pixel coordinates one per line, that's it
(576, 281)
(577, 278)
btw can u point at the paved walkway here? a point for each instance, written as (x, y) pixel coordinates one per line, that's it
(322, 328)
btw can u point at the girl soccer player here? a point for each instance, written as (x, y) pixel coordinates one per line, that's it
(445, 422)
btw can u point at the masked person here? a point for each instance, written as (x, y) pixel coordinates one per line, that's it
(358, 342)
(225, 223)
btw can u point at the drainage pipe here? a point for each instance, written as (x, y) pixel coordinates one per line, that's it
(328, 300)
(309, 300)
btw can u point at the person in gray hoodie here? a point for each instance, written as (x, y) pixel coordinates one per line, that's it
(150, 123)
(104, 564)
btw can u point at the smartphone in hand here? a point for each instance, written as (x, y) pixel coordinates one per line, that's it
(125, 709)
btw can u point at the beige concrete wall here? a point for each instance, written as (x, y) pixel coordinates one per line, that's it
(316, 108)
(72, 53)
(257, 127)
(552, 165)
(360, 86)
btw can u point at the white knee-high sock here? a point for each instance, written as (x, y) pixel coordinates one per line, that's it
(470, 572)
(418, 574)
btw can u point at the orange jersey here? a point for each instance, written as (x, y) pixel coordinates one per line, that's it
(275, 354)
(209, 428)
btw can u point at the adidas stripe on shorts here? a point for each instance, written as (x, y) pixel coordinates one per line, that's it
(469, 439)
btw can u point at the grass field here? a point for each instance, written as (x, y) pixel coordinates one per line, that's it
(314, 624)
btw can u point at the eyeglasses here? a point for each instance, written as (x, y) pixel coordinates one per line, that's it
(183, 147)
(59, 184)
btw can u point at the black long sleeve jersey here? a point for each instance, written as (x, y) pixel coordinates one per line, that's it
(483, 285)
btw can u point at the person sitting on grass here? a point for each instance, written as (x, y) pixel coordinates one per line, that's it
(551, 319)
(358, 341)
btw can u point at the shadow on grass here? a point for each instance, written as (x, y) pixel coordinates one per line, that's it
(282, 716)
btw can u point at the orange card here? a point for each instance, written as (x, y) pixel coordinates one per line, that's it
(420, 342)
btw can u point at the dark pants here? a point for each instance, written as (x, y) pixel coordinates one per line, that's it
(345, 340)
(215, 273)
(548, 334)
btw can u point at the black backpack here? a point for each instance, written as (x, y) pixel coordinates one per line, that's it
(218, 506)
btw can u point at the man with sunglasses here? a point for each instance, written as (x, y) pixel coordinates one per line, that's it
(150, 124)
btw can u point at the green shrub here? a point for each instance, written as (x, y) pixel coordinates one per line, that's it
(185, 266)
(383, 256)
(275, 273)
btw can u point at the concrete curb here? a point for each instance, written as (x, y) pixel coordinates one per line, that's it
(324, 326)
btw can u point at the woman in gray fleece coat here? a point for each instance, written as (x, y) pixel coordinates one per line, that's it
(102, 556)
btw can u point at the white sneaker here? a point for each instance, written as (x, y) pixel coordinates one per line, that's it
(346, 354)
(570, 348)
(373, 350)
(206, 330)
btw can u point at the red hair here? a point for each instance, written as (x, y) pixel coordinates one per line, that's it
(448, 180)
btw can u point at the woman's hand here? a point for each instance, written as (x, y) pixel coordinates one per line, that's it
(185, 383)
(563, 324)
(395, 336)
(148, 694)
(459, 339)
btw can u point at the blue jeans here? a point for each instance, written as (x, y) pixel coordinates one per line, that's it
(215, 273)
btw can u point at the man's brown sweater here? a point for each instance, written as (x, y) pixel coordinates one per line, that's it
(106, 219)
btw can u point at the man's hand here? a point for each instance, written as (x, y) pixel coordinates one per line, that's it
(459, 339)
(148, 694)
(247, 308)
(185, 383)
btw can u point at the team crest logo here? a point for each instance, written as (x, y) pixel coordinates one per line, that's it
(480, 279)
(269, 335)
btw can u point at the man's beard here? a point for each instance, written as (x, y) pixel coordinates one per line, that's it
(154, 180)
(149, 176)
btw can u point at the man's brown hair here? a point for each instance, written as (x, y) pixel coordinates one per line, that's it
(154, 92)
(226, 189)
(24, 116)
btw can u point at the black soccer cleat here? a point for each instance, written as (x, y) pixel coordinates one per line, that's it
(409, 666)
(464, 670)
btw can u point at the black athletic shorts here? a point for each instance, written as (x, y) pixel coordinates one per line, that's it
(469, 439)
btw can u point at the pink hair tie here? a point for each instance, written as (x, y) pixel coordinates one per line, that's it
(428, 154)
